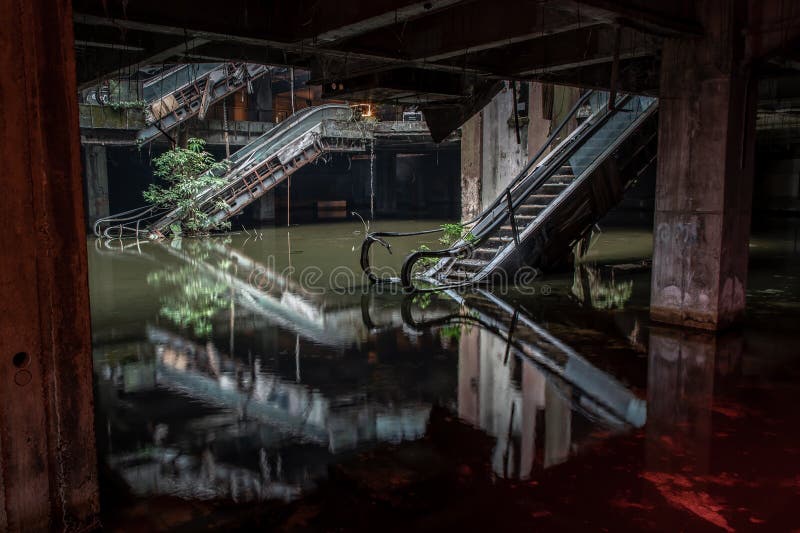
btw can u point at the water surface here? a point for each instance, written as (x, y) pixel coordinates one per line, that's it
(255, 379)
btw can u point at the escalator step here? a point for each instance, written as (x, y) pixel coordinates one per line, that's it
(530, 209)
(458, 275)
(485, 254)
(553, 188)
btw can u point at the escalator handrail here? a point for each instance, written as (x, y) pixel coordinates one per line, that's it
(539, 175)
(272, 135)
(379, 237)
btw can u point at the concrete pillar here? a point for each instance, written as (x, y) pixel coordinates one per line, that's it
(502, 157)
(471, 151)
(264, 208)
(95, 175)
(705, 176)
(48, 477)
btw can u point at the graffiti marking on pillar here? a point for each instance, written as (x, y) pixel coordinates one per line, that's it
(685, 232)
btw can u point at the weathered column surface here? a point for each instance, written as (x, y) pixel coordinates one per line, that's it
(48, 478)
(471, 150)
(705, 176)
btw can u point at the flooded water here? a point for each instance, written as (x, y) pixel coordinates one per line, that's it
(255, 379)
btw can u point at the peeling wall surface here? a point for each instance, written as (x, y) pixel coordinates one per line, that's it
(490, 155)
(471, 144)
(502, 157)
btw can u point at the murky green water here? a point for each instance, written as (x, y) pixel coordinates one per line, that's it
(259, 367)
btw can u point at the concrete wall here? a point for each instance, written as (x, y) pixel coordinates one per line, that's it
(491, 157)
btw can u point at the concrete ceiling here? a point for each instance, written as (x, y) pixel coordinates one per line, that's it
(445, 55)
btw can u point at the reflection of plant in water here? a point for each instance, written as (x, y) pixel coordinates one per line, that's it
(588, 284)
(191, 300)
(423, 300)
(450, 332)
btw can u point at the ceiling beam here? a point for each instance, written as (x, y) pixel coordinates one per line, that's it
(399, 15)
(667, 19)
(637, 75)
(299, 49)
(582, 47)
(310, 21)
(469, 27)
(103, 52)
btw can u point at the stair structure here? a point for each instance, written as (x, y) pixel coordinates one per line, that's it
(550, 206)
(188, 90)
(255, 169)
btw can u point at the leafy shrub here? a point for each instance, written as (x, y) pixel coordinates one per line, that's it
(187, 172)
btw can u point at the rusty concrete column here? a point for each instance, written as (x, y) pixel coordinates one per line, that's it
(48, 475)
(501, 157)
(471, 162)
(705, 176)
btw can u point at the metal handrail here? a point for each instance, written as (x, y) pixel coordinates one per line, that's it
(522, 349)
(379, 237)
(244, 158)
(539, 175)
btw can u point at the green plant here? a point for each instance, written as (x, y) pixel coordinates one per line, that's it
(133, 104)
(186, 173)
(453, 232)
(425, 262)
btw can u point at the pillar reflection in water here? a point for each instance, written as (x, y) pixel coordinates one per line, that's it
(680, 387)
